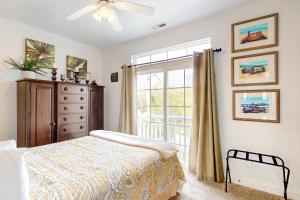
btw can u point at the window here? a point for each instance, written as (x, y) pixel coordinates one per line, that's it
(172, 52)
(164, 107)
(165, 97)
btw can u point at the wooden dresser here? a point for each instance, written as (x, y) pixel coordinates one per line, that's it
(50, 112)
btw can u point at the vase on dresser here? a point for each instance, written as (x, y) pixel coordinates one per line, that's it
(27, 75)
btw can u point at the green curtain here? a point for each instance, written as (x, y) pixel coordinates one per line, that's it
(205, 152)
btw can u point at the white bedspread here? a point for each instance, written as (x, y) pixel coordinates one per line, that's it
(166, 150)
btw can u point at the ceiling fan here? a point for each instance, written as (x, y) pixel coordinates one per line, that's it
(104, 11)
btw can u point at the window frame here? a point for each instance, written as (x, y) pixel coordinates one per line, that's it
(186, 46)
(165, 67)
(169, 64)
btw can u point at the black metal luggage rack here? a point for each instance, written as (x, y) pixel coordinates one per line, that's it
(245, 155)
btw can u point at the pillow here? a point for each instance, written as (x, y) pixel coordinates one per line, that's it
(14, 178)
(8, 145)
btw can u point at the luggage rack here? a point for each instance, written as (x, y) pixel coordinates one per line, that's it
(248, 156)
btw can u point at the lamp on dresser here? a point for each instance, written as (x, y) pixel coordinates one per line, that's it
(50, 112)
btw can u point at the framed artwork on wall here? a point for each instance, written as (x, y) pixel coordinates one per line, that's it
(79, 63)
(255, 33)
(256, 105)
(256, 69)
(43, 52)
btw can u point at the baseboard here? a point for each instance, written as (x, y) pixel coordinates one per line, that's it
(292, 194)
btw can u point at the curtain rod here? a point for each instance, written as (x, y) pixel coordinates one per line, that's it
(182, 57)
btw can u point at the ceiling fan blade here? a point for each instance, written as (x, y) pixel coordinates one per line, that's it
(133, 7)
(116, 24)
(82, 12)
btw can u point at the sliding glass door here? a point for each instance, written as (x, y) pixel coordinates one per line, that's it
(164, 105)
(150, 105)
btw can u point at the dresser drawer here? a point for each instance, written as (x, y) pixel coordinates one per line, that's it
(68, 98)
(73, 118)
(73, 108)
(72, 129)
(73, 89)
(65, 137)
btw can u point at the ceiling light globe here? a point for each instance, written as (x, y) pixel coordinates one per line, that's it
(112, 17)
(105, 12)
(97, 16)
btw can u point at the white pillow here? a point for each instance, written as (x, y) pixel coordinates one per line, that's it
(14, 178)
(8, 145)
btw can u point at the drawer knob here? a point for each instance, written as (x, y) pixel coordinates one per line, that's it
(65, 89)
(65, 98)
(81, 107)
(65, 130)
(81, 127)
(53, 124)
(81, 117)
(65, 108)
(65, 119)
(81, 98)
(81, 90)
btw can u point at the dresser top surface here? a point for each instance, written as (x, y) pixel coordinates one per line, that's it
(56, 82)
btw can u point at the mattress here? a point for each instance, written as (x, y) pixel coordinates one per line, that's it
(95, 168)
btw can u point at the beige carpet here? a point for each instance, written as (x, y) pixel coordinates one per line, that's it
(195, 190)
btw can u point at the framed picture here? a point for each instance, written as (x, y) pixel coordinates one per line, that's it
(43, 52)
(257, 69)
(255, 33)
(256, 105)
(74, 62)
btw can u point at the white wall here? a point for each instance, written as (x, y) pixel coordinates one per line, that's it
(279, 139)
(12, 44)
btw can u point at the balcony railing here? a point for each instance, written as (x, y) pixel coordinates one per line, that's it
(175, 131)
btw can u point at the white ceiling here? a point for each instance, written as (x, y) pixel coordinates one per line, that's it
(51, 15)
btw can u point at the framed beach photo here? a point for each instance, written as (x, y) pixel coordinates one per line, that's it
(256, 69)
(256, 105)
(255, 33)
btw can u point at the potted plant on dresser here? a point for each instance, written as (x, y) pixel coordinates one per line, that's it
(27, 67)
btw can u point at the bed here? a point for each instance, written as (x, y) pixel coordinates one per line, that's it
(105, 165)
